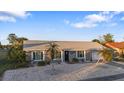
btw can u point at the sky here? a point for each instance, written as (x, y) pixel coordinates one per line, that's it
(61, 25)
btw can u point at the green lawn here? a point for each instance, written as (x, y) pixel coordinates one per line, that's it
(4, 63)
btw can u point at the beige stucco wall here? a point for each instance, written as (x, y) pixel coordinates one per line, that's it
(90, 55)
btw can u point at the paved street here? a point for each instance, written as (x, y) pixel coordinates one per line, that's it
(83, 72)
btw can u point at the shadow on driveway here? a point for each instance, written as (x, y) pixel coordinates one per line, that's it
(116, 64)
(106, 78)
(110, 77)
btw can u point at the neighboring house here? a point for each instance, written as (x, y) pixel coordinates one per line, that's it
(118, 46)
(84, 51)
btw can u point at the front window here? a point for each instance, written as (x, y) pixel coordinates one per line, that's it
(37, 55)
(80, 54)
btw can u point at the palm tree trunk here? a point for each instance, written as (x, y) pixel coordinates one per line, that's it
(53, 68)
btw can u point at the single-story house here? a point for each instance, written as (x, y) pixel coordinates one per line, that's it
(117, 46)
(83, 50)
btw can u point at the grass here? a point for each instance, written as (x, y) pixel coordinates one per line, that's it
(3, 55)
(4, 64)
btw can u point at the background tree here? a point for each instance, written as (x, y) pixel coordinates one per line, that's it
(108, 38)
(96, 40)
(104, 39)
(1, 46)
(12, 38)
(16, 53)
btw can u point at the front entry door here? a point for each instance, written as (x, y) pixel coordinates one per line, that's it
(66, 56)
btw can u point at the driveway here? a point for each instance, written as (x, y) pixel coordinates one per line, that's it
(83, 72)
(43, 73)
(107, 72)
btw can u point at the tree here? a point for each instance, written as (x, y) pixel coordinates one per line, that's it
(12, 38)
(16, 52)
(96, 40)
(0, 45)
(104, 39)
(106, 54)
(21, 40)
(52, 51)
(108, 38)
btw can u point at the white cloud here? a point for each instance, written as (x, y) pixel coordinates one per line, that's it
(11, 16)
(7, 19)
(93, 20)
(117, 12)
(21, 14)
(83, 25)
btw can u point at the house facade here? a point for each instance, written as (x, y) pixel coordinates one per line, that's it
(82, 50)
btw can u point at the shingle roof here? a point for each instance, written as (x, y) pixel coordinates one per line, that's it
(63, 45)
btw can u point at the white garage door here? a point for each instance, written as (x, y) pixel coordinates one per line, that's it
(95, 55)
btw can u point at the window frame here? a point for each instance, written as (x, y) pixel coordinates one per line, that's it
(79, 53)
(34, 55)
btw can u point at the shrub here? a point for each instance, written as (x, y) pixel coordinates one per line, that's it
(122, 55)
(43, 63)
(47, 62)
(118, 59)
(74, 60)
(21, 65)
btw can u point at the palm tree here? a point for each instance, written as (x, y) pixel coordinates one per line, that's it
(52, 51)
(106, 54)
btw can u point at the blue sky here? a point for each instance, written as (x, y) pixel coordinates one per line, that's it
(69, 26)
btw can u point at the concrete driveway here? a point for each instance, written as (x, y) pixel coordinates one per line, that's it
(43, 73)
(83, 72)
(107, 72)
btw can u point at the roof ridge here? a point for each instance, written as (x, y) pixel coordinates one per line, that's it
(55, 41)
